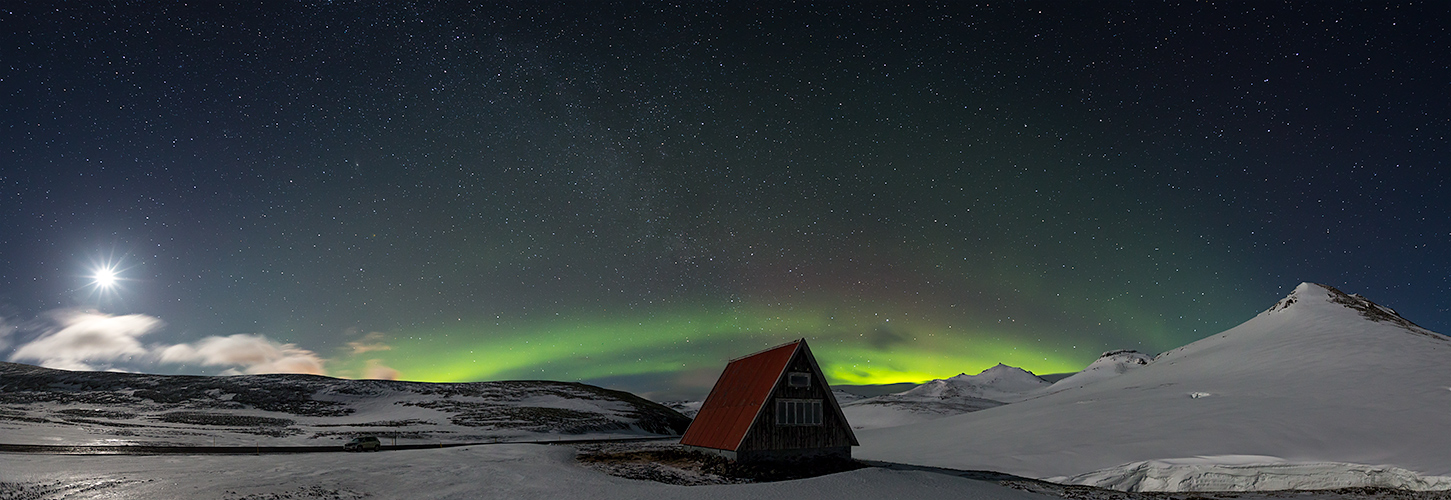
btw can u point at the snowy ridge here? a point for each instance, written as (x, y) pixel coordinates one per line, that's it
(1321, 377)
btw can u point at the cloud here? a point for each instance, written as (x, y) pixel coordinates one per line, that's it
(87, 340)
(369, 343)
(90, 340)
(245, 353)
(376, 370)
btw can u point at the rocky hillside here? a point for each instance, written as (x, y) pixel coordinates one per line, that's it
(46, 406)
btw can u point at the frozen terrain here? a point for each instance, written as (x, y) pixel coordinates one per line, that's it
(58, 407)
(1323, 385)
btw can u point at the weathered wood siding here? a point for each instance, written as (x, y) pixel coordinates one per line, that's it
(766, 435)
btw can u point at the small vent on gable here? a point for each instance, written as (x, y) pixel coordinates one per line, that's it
(798, 379)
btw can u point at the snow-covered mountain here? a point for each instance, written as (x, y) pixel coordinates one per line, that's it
(1300, 393)
(1110, 364)
(940, 398)
(46, 406)
(1001, 383)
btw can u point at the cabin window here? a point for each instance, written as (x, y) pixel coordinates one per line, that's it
(798, 412)
(798, 379)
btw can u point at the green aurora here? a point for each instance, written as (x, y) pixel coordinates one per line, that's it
(854, 347)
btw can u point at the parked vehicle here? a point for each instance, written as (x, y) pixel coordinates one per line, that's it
(366, 443)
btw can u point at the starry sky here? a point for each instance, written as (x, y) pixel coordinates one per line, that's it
(631, 194)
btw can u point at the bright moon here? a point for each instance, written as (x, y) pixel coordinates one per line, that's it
(105, 277)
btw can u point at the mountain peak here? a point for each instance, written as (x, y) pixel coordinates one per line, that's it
(999, 374)
(1315, 293)
(1305, 289)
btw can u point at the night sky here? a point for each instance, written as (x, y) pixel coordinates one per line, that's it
(631, 194)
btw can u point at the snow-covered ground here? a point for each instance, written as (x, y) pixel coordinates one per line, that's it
(511, 471)
(1322, 384)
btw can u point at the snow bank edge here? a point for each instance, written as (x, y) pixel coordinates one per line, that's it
(1246, 473)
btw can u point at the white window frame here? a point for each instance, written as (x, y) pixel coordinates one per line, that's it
(802, 412)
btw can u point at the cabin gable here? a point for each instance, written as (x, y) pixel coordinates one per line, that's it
(799, 416)
(772, 405)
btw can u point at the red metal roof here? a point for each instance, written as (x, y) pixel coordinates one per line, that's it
(736, 399)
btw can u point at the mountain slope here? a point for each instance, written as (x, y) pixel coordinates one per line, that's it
(1320, 377)
(46, 406)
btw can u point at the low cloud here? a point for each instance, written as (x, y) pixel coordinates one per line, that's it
(245, 353)
(377, 370)
(85, 340)
(369, 343)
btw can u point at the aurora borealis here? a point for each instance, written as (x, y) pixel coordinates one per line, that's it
(633, 193)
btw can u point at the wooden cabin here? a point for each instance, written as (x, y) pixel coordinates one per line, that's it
(772, 405)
